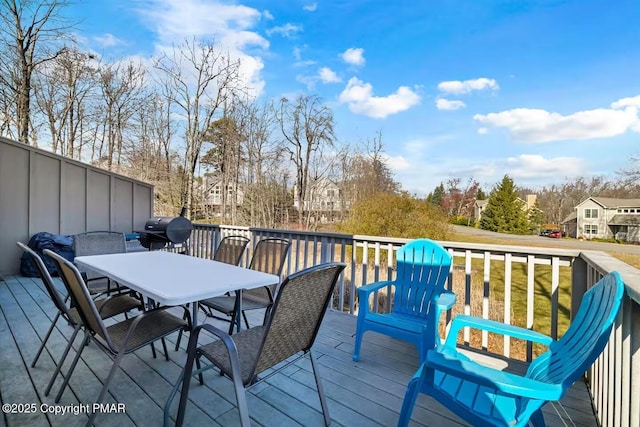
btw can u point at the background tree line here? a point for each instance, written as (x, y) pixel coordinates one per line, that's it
(188, 122)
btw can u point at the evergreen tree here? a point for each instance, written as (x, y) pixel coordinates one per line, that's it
(504, 212)
(437, 196)
(481, 195)
(536, 217)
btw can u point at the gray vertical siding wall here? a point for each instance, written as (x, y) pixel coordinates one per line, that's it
(41, 191)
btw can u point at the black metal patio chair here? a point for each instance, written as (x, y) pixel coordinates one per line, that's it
(115, 340)
(290, 329)
(268, 256)
(107, 307)
(98, 243)
(230, 251)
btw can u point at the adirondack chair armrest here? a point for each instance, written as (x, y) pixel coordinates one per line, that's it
(463, 320)
(506, 382)
(364, 291)
(446, 300)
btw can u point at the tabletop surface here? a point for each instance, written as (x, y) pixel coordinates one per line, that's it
(174, 279)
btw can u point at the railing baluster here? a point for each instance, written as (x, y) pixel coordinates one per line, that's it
(485, 297)
(507, 301)
(531, 265)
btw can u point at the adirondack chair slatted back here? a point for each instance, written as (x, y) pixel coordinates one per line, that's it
(422, 268)
(571, 355)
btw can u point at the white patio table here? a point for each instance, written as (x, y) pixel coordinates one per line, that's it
(174, 279)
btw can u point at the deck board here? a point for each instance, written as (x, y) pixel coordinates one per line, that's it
(367, 393)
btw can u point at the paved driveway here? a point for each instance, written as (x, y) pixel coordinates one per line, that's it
(546, 241)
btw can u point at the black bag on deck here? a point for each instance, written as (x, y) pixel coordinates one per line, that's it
(59, 244)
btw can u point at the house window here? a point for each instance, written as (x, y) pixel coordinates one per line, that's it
(591, 213)
(330, 193)
(590, 229)
(626, 211)
(619, 210)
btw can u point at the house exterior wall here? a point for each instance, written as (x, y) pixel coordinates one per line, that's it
(41, 191)
(606, 230)
(213, 193)
(603, 231)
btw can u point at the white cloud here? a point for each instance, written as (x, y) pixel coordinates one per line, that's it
(359, 96)
(327, 75)
(286, 30)
(267, 15)
(397, 163)
(535, 125)
(536, 167)
(483, 131)
(310, 7)
(633, 101)
(354, 56)
(446, 104)
(231, 27)
(458, 87)
(108, 40)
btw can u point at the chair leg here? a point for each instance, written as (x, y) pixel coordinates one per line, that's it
(358, 343)
(198, 367)
(184, 317)
(244, 316)
(177, 347)
(186, 378)
(62, 359)
(413, 388)
(44, 341)
(537, 419)
(105, 387)
(241, 398)
(164, 348)
(153, 350)
(323, 400)
(85, 341)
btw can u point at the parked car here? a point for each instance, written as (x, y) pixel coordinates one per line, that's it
(555, 234)
(546, 232)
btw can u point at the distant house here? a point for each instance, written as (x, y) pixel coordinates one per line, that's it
(605, 218)
(324, 198)
(213, 193)
(480, 205)
(570, 225)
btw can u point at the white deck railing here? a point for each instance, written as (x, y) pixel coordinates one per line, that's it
(483, 279)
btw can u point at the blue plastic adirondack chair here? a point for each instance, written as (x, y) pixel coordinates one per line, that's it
(485, 396)
(422, 268)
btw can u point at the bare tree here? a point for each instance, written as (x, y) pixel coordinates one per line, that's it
(63, 89)
(201, 79)
(32, 29)
(307, 129)
(121, 86)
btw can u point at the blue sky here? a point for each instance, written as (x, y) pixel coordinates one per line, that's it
(540, 90)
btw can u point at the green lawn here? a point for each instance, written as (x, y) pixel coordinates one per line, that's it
(542, 296)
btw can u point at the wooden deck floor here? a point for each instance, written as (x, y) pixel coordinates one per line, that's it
(367, 393)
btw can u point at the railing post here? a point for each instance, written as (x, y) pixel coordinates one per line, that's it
(578, 283)
(325, 250)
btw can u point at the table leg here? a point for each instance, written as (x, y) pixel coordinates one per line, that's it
(194, 314)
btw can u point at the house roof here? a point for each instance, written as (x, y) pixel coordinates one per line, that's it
(572, 217)
(481, 203)
(610, 202)
(625, 219)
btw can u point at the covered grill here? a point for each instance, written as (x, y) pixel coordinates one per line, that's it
(165, 230)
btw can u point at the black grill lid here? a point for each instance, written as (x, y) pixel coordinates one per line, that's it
(174, 229)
